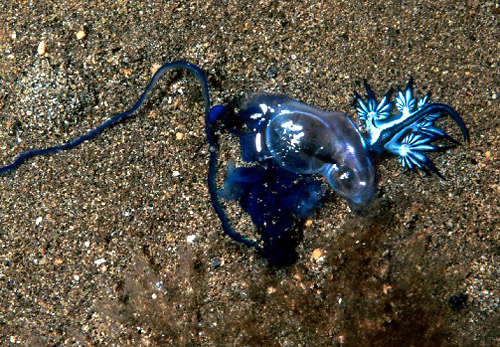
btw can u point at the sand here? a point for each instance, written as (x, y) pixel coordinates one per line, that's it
(116, 243)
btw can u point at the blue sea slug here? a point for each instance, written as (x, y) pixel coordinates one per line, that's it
(288, 145)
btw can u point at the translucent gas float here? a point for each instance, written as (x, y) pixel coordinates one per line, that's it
(306, 140)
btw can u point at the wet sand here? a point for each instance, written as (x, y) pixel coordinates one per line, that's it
(94, 241)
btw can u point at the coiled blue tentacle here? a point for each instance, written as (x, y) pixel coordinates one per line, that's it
(210, 118)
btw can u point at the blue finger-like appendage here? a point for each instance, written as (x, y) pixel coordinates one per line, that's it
(410, 132)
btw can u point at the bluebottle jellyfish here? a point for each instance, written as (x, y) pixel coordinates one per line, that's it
(289, 145)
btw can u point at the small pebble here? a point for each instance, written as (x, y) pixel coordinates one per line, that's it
(38, 220)
(386, 289)
(179, 136)
(100, 261)
(175, 173)
(41, 48)
(155, 67)
(316, 254)
(271, 290)
(80, 35)
(190, 238)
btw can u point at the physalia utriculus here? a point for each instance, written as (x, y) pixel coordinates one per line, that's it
(289, 145)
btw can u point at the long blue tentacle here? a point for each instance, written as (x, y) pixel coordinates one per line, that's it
(212, 170)
(113, 120)
(210, 119)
